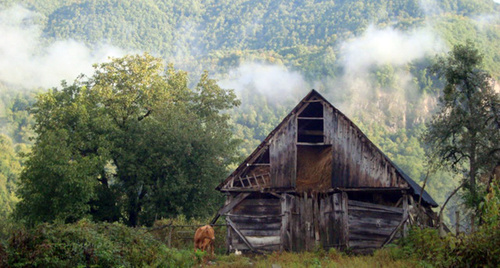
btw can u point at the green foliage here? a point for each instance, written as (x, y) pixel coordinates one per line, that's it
(464, 135)
(490, 206)
(133, 141)
(89, 244)
(478, 249)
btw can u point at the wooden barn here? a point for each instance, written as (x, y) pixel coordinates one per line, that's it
(317, 180)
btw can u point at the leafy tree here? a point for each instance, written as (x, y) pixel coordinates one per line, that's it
(464, 134)
(132, 142)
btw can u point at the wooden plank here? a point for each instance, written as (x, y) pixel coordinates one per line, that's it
(284, 222)
(236, 200)
(381, 221)
(260, 226)
(261, 202)
(375, 215)
(337, 218)
(309, 118)
(290, 199)
(240, 234)
(308, 207)
(372, 210)
(370, 189)
(395, 231)
(368, 232)
(259, 199)
(264, 240)
(251, 216)
(311, 132)
(257, 210)
(345, 220)
(243, 247)
(312, 144)
(256, 220)
(282, 154)
(354, 203)
(316, 220)
(264, 232)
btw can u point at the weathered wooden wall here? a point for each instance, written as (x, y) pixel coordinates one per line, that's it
(304, 221)
(314, 219)
(356, 162)
(283, 155)
(258, 219)
(370, 225)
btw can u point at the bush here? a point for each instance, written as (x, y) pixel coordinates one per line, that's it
(478, 249)
(90, 244)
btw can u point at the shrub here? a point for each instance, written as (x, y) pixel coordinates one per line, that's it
(478, 249)
(90, 244)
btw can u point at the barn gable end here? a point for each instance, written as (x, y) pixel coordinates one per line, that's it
(327, 183)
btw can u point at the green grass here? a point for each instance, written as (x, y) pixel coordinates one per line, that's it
(382, 258)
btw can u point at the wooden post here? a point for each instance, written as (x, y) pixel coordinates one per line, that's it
(285, 221)
(316, 219)
(457, 222)
(405, 214)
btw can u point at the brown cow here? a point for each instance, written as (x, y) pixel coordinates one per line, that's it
(204, 238)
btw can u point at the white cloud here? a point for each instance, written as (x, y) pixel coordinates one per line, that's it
(26, 62)
(273, 81)
(377, 47)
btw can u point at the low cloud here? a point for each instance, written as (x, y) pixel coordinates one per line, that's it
(273, 81)
(26, 62)
(381, 46)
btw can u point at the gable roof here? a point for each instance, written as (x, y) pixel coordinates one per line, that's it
(313, 94)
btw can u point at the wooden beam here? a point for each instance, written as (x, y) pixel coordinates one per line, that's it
(309, 118)
(229, 206)
(312, 144)
(231, 223)
(370, 189)
(311, 132)
(391, 237)
(251, 216)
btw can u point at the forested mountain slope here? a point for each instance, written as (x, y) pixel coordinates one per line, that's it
(369, 58)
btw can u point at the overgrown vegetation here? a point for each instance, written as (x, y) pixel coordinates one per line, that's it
(87, 244)
(115, 245)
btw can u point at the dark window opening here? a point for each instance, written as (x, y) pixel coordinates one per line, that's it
(313, 109)
(310, 131)
(381, 198)
(263, 158)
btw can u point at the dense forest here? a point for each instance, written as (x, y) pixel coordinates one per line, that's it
(369, 58)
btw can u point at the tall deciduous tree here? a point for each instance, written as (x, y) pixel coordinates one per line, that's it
(133, 143)
(465, 133)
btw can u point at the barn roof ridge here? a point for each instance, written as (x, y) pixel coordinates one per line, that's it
(313, 93)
